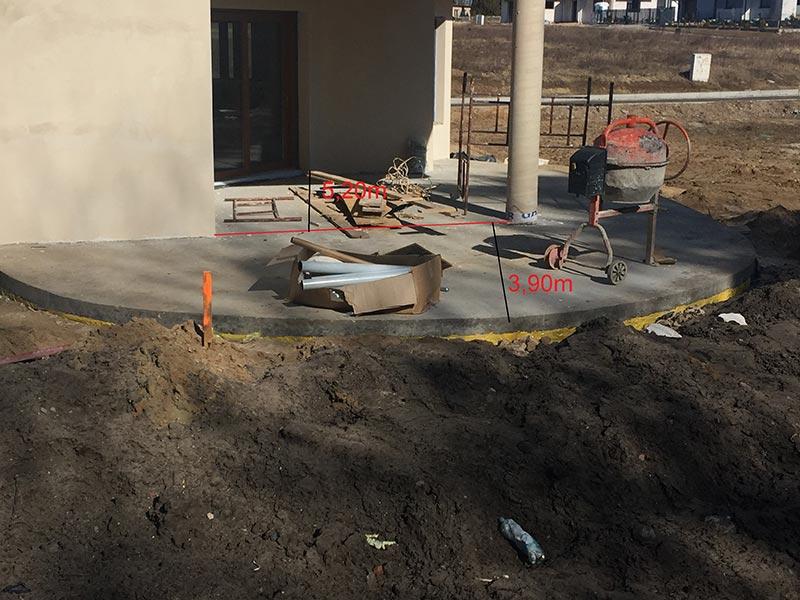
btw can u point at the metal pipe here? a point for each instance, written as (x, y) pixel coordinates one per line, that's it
(467, 164)
(496, 115)
(653, 98)
(461, 135)
(569, 127)
(328, 281)
(335, 268)
(586, 110)
(610, 102)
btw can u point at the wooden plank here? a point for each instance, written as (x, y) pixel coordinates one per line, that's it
(330, 252)
(259, 200)
(335, 218)
(390, 194)
(265, 220)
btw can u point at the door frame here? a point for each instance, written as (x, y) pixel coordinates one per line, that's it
(289, 72)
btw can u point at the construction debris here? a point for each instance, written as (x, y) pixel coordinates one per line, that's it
(733, 318)
(372, 540)
(527, 547)
(334, 217)
(358, 200)
(397, 179)
(662, 330)
(407, 280)
(255, 216)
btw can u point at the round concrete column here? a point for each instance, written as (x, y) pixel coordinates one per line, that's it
(526, 111)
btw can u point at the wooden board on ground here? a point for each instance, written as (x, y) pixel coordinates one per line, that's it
(336, 218)
(257, 216)
(670, 191)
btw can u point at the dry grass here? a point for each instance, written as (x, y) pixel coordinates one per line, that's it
(745, 153)
(635, 58)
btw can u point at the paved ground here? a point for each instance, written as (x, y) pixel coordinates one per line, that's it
(161, 278)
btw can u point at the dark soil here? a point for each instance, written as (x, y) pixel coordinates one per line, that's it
(137, 465)
(775, 232)
(645, 467)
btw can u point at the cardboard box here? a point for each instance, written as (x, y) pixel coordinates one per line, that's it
(410, 293)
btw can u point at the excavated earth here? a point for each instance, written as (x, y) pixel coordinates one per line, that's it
(139, 465)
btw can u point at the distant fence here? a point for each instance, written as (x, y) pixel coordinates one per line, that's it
(626, 17)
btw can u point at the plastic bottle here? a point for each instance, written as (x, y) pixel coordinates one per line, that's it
(527, 547)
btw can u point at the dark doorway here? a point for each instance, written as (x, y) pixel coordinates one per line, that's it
(254, 70)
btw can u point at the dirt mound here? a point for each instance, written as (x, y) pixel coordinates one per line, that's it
(776, 232)
(162, 373)
(24, 330)
(644, 467)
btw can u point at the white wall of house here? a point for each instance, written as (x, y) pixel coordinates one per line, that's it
(439, 141)
(367, 80)
(748, 10)
(105, 120)
(561, 11)
(643, 5)
(585, 11)
(106, 111)
(788, 8)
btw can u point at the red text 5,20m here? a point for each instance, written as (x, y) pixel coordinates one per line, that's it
(357, 190)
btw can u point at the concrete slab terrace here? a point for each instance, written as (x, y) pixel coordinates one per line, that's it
(115, 281)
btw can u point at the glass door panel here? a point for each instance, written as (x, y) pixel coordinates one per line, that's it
(226, 64)
(254, 67)
(266, 93)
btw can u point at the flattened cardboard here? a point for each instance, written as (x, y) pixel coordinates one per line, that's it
(411, 293)
(393, 293)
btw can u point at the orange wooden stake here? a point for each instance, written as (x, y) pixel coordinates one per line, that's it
(208, 292)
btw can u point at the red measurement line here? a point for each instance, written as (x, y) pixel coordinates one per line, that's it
(324, 229)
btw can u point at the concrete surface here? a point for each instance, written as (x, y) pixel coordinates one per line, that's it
(162, 278)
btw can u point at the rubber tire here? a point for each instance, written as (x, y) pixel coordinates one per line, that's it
(551, 256)
(616, 272)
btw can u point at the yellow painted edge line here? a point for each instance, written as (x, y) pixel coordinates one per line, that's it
(70, 317)
(555, 335)
(243, 338)
(644, 321)
(83, 320)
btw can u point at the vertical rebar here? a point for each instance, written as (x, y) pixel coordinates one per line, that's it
(586, 112)
(309, 198)
(461, 136)
(552, 107)
(508, 125)
(610, 101)
(469, 145)
(569, 127)
(497, 116)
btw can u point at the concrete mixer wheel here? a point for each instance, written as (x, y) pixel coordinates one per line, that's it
(552, 256)
(616, 272)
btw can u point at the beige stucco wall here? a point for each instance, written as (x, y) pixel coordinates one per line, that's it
(106, 117)
(366, 79)
(439, 143)
(105, 120)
